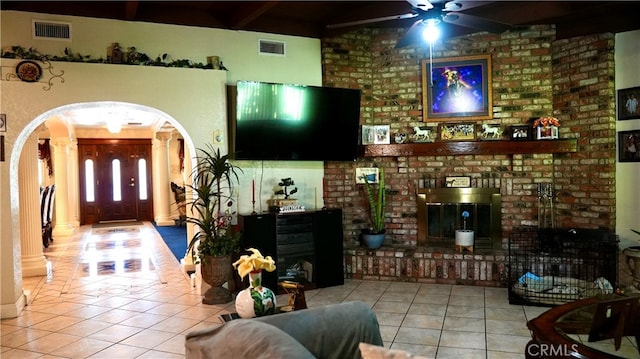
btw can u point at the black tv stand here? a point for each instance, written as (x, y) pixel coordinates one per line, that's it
(306, 246)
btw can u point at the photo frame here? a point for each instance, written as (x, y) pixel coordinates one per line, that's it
(3, 122)
(628, 106)
(424, 134)
(490, 132)
(629, 146)
(457, 131)
(520, 133)
(457, 88)
(376, 134)
(457, 181)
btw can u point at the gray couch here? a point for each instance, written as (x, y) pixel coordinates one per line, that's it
(331, 331)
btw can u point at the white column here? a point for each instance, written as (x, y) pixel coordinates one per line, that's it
(187, 261)
(62, 227)
(163, 214)
(74, 185)
(33, 261)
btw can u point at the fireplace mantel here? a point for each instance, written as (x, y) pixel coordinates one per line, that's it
(471, 148)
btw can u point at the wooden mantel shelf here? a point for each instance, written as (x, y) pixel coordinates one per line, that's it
(470, 148)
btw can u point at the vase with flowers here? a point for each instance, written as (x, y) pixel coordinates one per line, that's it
(546, 128)
(256, 300)
(464, 236)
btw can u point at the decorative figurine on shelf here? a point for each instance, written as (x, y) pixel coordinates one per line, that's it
(286, 182)
(546, 128)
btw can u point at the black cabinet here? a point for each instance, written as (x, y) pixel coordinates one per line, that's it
(306, 246)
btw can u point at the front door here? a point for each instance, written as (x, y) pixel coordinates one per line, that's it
(115, 180)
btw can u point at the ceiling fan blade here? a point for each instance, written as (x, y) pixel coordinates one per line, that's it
(413, 35)
(476, 22)
(420, 4)
(369, 21)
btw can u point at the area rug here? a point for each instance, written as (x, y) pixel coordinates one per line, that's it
(175, 237)
(116, 224)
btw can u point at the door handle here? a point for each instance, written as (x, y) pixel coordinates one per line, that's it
(132, 182)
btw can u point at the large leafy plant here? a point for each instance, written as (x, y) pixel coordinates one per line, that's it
(213, 180)
(377, 202)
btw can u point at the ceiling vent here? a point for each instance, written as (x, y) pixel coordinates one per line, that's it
(271, 47)
(51, 30)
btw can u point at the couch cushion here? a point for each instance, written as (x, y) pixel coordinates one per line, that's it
(243, 338)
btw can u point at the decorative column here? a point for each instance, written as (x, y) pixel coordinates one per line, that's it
(187, 261)
(33, 261)
(163, 213)
(62, 227)
(74, 185)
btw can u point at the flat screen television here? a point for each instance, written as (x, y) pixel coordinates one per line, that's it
(271, 121)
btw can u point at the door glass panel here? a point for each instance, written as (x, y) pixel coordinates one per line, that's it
(89, 188)
(117, 185)
(142, 178)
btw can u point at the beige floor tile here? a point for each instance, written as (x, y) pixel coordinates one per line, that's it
(144, 320)
(503, 355)
(57, 323)
(465, 311)
(438, 309)
(391, 307)
(175, 324)
(20, 354)
(506, 314)
(85, 327)
(507, 343)
(467, 291)
(397, 296)
(418, 336)
(82, 348)
(119, 351)
(155, 354)
(174, 345)
(115, 333)
(22, 336)
(386, 318)
(458, 339)
(508, 327)
(464, 324)
(428, 351)
(458, 353)
(469, 301)
(388, 333)
(423, 321)
(148, 338)
(49, 343)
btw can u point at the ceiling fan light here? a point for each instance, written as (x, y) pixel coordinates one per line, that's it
(431, 31)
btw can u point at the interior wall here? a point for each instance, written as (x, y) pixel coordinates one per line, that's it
(627, 58)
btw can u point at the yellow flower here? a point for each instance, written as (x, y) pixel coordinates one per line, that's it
(255, 261)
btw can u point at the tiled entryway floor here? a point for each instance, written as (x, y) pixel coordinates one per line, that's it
(120, 293)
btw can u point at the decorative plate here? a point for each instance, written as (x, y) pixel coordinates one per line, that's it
(29, 71)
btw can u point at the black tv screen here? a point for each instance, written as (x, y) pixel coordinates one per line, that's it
(294, 122)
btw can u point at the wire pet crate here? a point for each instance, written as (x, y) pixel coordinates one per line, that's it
(550, 267)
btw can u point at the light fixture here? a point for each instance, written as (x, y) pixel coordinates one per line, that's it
(431, 31)
(114, 126)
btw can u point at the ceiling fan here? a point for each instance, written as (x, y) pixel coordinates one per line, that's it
(435, 12)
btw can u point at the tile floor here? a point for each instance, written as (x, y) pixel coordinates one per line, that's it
(120, 293)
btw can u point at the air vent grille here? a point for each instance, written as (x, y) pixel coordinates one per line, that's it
(271, 47)
(51, 30)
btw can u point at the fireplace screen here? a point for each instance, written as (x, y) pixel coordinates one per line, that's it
(439, 216)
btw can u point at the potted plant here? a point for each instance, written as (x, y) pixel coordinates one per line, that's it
(215, 241)
(377, 197)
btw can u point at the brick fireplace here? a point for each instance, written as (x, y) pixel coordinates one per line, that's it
(534, 75)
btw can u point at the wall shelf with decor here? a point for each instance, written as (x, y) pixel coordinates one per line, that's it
(470, 148)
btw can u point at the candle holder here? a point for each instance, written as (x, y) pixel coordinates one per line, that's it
(253, 205)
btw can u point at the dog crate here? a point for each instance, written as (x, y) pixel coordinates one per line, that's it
(550, 267)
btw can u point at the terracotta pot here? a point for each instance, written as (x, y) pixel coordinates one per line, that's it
(216, 271)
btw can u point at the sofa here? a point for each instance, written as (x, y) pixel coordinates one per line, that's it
(331, 331)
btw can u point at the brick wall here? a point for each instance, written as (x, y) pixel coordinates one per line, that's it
(533, 76)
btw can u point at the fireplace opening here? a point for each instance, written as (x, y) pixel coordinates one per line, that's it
(440, 215)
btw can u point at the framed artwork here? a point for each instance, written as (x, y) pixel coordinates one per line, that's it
(378, 135)
(457, 88)
(488, 132)
(629, 146)
(628, 103)
(521, 133)
(371, 173)
(424, 134)
(457, 181)
(459, 131)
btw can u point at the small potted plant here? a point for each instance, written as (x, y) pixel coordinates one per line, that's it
(464, 236)
(377, 197)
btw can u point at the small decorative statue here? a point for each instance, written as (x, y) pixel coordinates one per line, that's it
(286, 182)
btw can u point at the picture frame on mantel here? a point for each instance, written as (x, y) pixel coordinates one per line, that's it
(628, 106)
(457, 88)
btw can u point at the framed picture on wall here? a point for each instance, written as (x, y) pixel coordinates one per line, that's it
(629, 146)
(520, 133)
(462, 131)
(457, 87)
(628, 108)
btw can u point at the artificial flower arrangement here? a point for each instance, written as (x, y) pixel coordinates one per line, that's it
(254, 262)
(546, 121)
(546, 128)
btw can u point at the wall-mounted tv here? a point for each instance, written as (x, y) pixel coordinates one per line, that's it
(271, 121)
